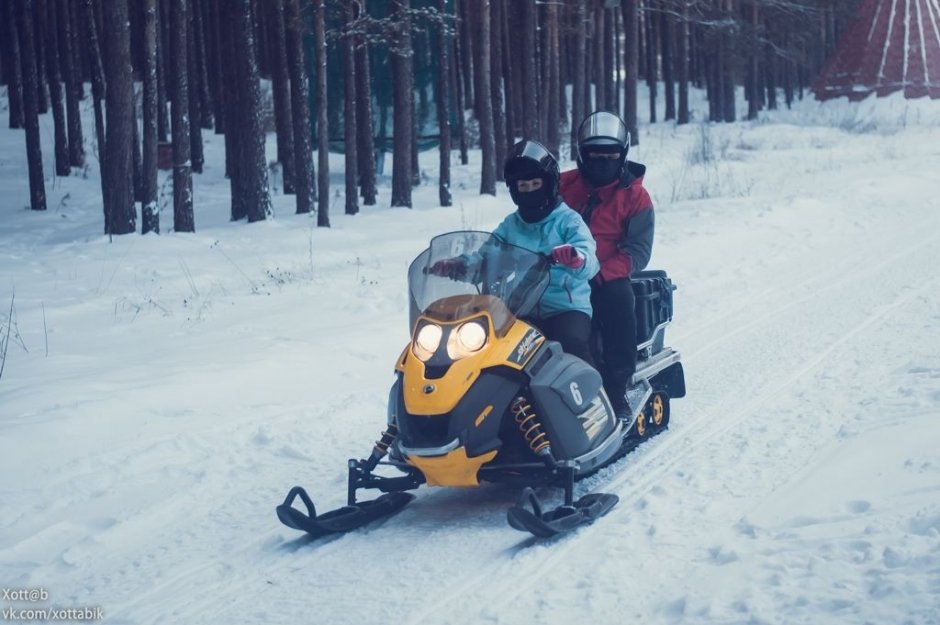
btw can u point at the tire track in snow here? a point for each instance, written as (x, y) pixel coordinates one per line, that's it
(827, 281)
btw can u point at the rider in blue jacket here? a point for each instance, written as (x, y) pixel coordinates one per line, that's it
(544, 223)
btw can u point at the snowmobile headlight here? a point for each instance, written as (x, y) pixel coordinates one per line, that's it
(468, 339)
(427, 341)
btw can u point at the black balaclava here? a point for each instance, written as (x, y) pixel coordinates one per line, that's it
(600, 172)
(533, 205)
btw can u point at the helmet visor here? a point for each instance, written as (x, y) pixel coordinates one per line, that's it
(603, 128)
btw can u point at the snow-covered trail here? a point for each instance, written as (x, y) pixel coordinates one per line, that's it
(778, 378)
(192, 380)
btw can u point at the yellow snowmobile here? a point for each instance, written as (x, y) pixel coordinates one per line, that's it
(481, 395)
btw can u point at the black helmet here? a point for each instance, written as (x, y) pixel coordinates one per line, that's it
(528, 160)
(531, 159)
(602, 132)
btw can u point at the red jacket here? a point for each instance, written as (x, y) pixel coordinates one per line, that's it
(620, 216)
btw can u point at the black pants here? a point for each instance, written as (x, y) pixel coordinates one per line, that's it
(572, 329)
(614, 305)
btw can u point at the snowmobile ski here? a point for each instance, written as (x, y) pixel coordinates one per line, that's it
(341, 520)
(527, 514)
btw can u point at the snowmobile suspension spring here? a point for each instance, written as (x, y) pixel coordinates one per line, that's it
(388, 436)
(380, 449)
(530, 426)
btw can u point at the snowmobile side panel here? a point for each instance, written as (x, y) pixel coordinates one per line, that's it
(564, 390)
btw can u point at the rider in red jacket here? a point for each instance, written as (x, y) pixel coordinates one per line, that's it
(607, 190)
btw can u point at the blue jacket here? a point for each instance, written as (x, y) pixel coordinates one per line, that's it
(568, 289)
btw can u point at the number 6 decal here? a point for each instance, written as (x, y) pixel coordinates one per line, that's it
(576, 393)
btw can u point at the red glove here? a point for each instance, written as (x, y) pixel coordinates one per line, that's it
(452, 268)
(568, 256)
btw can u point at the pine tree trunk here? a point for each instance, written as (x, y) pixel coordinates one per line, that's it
(787, 73)
(443, 106)
(262, 43)
(770, 74)
(163, 80)
(457, 87)
(551, 78)
(666, 37)
(98, 93)
(79, 46)
(753, 77)
(530, 92)
(366, 147)
(51, 36)
(682, 54)
(214, 63)
(471, 9)
(483, 86)
(578, 105)
(150, 214)
(136, 158)
(323, 127)
(727, 77)
(512, 46)
(415, 166)
(39, 49)
(37, 186)
(70, 73)
(15, 78)
(252, 169)
(403, 96)
(300, 109)
(197, 157)
(466, 51)
(509, 87)
(610, 23)
(541, 60)
(351, 134)
(183, 220)
(631, 63)
(200, 65)
(280, 85)
(496, 84)
(228, 26)
(599, 66)
(652, 44)
(713, 84)
(119, 137)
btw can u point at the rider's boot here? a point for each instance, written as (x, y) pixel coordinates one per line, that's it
(615, 383)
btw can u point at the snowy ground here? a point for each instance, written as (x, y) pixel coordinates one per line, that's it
(161, 394)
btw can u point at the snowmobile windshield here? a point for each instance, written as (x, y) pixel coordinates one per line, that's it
(462, 273)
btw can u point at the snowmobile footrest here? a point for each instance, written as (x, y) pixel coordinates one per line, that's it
(341, 520)
(527, 514)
